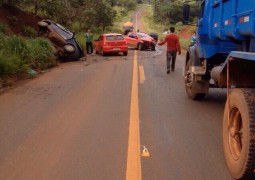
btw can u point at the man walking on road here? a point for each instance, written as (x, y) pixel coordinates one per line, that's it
(173, 46)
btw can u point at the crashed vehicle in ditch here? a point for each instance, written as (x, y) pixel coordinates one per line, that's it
(67, 48)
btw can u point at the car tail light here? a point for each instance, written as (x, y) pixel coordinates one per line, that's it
(69, 48)
(106, 43)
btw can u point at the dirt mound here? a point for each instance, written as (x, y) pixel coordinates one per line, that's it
(186, 31)
(14, 20)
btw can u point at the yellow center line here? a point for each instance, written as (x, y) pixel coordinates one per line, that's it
(133, 171)
(141, 74)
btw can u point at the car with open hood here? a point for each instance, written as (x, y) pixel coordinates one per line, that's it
(140, 41)
(154, 36)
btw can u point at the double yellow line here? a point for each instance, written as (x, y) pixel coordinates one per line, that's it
(133, 171)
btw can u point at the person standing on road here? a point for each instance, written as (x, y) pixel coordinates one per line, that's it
(173, 46)
(193, 39)
(89, 39)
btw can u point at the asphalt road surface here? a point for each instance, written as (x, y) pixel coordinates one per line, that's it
(73, 122)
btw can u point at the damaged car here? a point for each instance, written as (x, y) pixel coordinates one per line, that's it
(63, 40)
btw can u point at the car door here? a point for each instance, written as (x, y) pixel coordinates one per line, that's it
(132, 40)
(99, 43)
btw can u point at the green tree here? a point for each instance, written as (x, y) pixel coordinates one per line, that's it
(104, 15)
(11, 2)
(86, 13)
(171, 10)
(35, 3)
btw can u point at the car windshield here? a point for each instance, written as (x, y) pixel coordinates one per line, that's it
(62, 31)
(153, 34)
(114, 37)
(142, 35)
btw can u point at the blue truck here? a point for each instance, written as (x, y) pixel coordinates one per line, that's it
(224, 57)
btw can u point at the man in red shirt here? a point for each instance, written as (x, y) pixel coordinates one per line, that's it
(173, 46)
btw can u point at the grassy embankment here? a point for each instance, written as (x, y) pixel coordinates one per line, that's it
(22, 57)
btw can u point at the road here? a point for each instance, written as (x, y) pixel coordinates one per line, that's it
(73, 122)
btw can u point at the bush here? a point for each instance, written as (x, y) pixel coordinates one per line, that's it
(184, 43)
(2, 28)
(37, 53)
(178, 25)
(20, 56)
(81, 39)
(76, 27)
(40, 54)
(123, 13)
(29, 31)
(14, 45)
(13, 20)
(12, 65)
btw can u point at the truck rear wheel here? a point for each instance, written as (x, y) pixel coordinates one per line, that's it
(189, 83)
(239, 133)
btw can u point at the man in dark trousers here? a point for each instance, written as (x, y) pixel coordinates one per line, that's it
(89, 39)
(173, 46)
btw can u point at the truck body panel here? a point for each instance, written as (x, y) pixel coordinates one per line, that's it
(225, 26)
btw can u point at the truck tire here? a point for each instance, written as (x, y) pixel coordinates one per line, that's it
(239, 133)
(188, 85)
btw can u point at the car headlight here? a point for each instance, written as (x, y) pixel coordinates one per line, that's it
(69, 48)
(43, 23)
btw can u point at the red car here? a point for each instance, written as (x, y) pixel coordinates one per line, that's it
(140, 41)
(111, 43)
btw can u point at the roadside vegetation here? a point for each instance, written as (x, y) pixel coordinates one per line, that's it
(160, 15)
(23, 55)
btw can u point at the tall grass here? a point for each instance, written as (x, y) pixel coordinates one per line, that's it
(149, 23)
(14, 44)
(12, 65)
(2, 28)
(80, 37)
(29, 31)
(40, 54)
(19, 55)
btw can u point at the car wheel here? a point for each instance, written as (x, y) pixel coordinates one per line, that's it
(140, 46)
(43, 23)
(153, 48)
(125, 53)
(69, 48)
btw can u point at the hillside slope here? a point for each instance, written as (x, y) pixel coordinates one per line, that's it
(15, 20)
